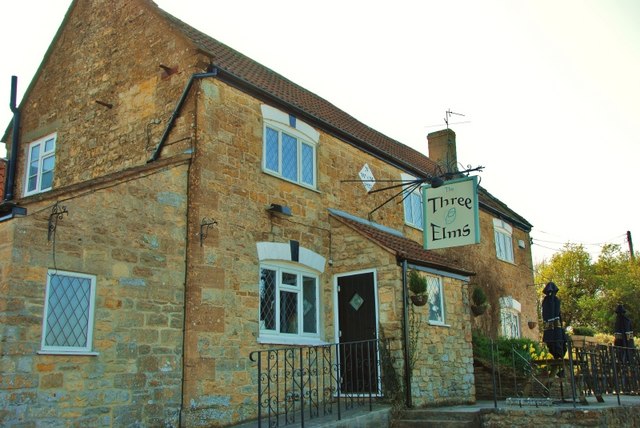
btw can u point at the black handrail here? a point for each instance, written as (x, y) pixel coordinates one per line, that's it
(299, 383)
(591, 370)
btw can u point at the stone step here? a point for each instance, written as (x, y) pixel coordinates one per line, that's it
(406, 423)
(436, 418)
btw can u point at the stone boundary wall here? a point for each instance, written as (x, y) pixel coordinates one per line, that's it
(619, 416)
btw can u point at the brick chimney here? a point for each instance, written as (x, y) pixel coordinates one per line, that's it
(442, 149)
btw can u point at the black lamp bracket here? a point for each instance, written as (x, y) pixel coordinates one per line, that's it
(205, 225)
(57, 213)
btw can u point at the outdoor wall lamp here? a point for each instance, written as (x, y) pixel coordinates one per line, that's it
(436, 182)
(10, 210)
(279, 209)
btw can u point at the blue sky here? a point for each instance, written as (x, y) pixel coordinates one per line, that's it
(549, 89)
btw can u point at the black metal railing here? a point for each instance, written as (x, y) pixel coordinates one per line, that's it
(587, 370)
(297, 384)
(604, 369)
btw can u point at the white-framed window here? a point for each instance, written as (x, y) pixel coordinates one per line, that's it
(67, 325)
(289, 149)
(510, 310)
(413, 208)
(41, 161)
(503, 234)
(435, 294)
(289, 303)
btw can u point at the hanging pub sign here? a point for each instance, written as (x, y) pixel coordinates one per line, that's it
(451, 214)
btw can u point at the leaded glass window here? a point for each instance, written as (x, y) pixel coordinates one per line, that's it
(288, 302)
(290, 147)
(435, 295)
(308, 161)
(510, 323)
(68, 313)
(289, 156)
(272, 153)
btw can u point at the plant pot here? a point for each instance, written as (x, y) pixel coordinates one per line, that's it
(532, 324)
(479, 309)
(578, 341)
(419, 299)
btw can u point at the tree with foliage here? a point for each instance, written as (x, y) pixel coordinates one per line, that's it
(572, 272)
(589, 292)
(619, 275)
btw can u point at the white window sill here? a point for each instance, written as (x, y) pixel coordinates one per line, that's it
(413, 226)
(437, 324)
(88, 353)
(295, 340)
(36, 192)
(297, 183)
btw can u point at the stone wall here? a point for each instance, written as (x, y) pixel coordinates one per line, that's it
(521, 386)
(561, 417)
(229, 186)
(130, 234)
(108, 110)
(443, 370)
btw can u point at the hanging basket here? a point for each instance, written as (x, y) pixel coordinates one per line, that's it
(479, 309)
(419, 299)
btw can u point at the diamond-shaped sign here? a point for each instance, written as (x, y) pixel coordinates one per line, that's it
(368, 180)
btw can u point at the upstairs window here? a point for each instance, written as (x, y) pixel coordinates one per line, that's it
(289, 147)
(67, 326)
(40, 164)
(413, 208)
(504, 243)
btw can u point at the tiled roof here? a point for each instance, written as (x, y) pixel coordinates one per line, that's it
(404, 248)
(258, 76)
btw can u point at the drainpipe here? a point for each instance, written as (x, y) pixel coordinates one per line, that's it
(176, 112)
(15, 137)
(154, 157)
(405, 336)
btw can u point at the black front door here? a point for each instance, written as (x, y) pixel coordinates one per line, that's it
(357, 323)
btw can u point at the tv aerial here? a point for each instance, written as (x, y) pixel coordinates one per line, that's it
(448, 114)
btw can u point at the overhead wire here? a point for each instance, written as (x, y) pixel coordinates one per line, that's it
(598, 244)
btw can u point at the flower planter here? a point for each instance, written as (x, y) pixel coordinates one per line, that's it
(479, 309)
(579, 341)
(419, 299)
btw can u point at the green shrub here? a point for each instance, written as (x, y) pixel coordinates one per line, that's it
(584, 331)
(417, 282)
(509, 353)
(478, 297)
